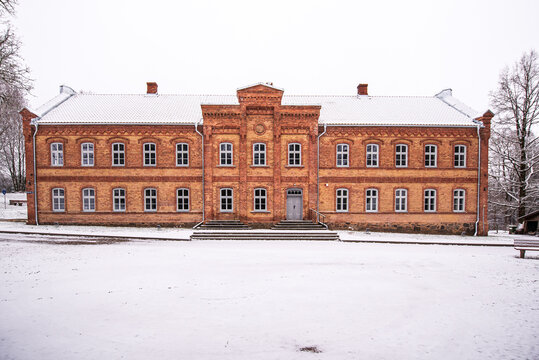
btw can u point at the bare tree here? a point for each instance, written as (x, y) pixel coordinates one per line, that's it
(12, 138)
(514, 147)
(8, 6)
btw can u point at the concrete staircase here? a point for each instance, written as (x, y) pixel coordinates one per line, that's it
(223, 225)
(298, 225)
(323, 235)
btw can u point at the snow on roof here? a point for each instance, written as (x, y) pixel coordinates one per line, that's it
(439, 110)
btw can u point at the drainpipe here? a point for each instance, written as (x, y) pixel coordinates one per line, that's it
(318, 173)
(203, 197)
(35, 174)
(478, 178)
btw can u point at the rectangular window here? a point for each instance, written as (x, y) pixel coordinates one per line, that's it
(372, 155)
(118, 154)
(118, 199)
(401, 155)
(182, 196)
(182, 154)
(150, 199)
(87, 154)
(460, 156)
(458, 200)
(430, 155)
(401, 200)
(88, 199)
(259, 154)
(342, 200)
(58, 200)
(149, 154)
(225, 154)
(430, 200)
(342, 155)
(57, 154)
(226, 200)
(260, 200)
(371, 200)
(294, 154)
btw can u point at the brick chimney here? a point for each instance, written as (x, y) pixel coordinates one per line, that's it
(362, 89)
(151, 88)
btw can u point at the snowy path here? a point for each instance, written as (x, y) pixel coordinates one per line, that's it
(265, 300)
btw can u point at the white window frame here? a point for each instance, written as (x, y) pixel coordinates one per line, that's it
(57, 154)
(119, 194)
(182, 194)
(88, 200)
(229, 200)
(372, 151)
(261, 152)
(459, 159)
(182, 154)
(429, 198)
(294, 154)
(58, 200)
(150, 198)
(226, 156)
(429, 155)
(341, 200)
(87, 154)
(342, 155)
(118, 154)
(149, 154)
(459, 200)
(401, 155)
(401, 200)
(262, 198)
(372, 195)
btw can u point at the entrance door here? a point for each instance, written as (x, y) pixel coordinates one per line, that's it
(294, 204)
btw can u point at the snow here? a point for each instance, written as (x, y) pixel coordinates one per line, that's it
(12, 212)
(265, 300)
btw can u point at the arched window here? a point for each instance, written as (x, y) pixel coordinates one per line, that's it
(341, 198)
(87, 154)
(118, 154)
(372, 155)
(401, 155)
(88, 200)
(431, 152)
(182, 198)
(150, 154)
(118, 199)
(401, 200)
(58, 200)
(182, 154)
(227, 200)
(460, 156)
(225, 154)
(150, 199)
(342, 155)
(371, 200)
(57, 154)
(294, 154)
(260, 200)
(430, 200)
(458, 200)
(259, 154)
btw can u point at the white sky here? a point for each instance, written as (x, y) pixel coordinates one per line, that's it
(305, 47)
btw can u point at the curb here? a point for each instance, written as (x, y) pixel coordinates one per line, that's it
(92, 236)
(429, 243)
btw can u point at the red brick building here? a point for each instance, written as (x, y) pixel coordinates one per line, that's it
(383, 163)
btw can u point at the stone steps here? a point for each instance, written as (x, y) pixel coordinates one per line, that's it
(224, 225)
(270, 235)
(297, 225)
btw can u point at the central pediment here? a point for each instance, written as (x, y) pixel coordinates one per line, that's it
(261, 93)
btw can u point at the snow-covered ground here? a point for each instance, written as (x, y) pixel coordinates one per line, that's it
(12, 212)
(266, 300)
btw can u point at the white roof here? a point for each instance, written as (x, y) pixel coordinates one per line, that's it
(74, 108)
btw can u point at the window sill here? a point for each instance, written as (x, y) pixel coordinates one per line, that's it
(149, 165)
(226, 166)
(294, 166)
(182, 211)
(114, 165)
(226, 211)
(260, 212)
(182, 165)
(341, 211)
(87, 165)
(260, 166)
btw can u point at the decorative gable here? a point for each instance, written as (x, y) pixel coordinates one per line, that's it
(260, 94)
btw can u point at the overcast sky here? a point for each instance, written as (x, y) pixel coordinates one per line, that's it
(304, 47)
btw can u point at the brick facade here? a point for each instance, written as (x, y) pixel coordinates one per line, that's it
(260, 118)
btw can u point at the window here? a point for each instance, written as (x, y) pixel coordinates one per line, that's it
(401, 200)
(87, 154)
(182, 154)
(430, 155)
(342, 155)
(401, 155)
(226, 200)
(371, 200)
(260, 200)
(460, 156)
(372, 155)
(88, 199)
(458, 200)
(118, 199)
(259, 154)
(430, 200)
(149, 154)
(118, 154)
(57, 154)
(150, 200)
(294, 154)
(182, 196)
(225, 151)
(58, 200)
(342, 200)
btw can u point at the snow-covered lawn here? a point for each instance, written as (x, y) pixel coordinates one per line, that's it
(266, 300)
(12, 212)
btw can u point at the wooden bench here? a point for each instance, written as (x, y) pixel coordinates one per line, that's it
(523, 245)
(17, 202)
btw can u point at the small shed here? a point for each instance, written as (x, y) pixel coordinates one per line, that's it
(530, 222)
